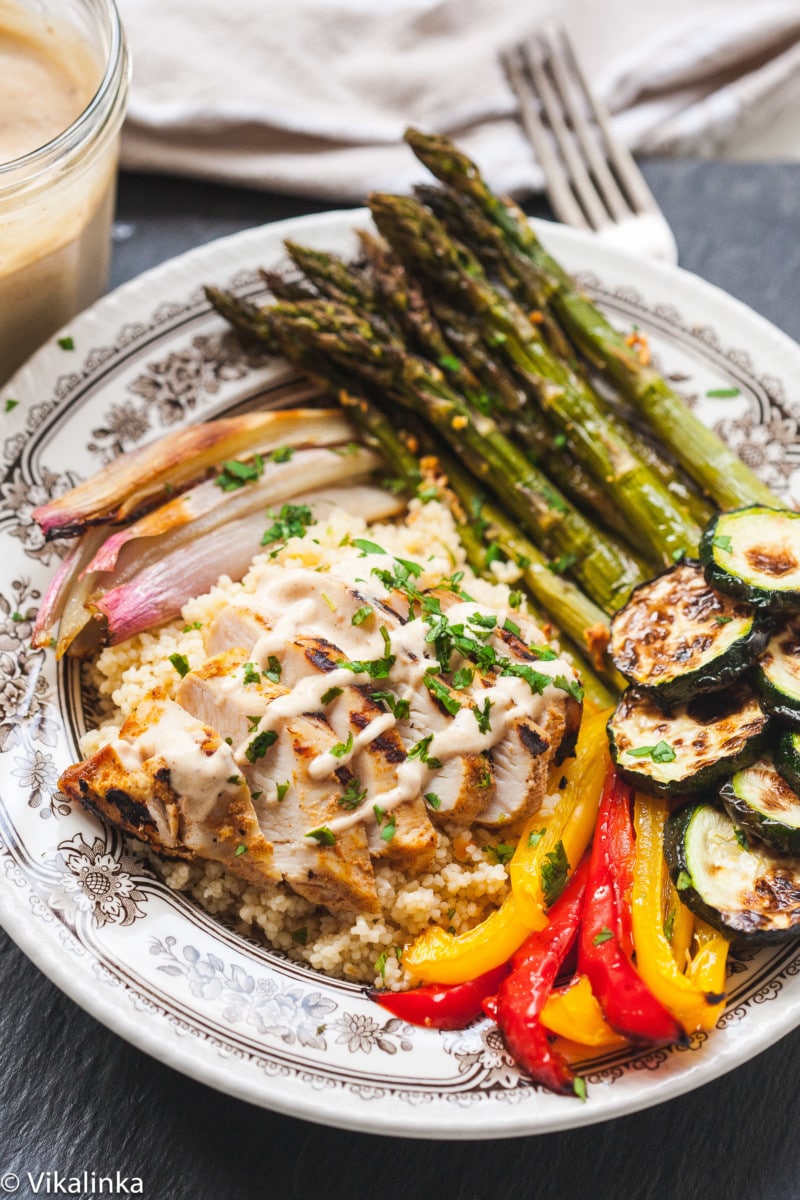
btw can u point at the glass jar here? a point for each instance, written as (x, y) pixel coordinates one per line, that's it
(57, 201)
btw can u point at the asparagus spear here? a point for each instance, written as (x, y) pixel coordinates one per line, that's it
(605, 569)
(465, 221)
(583, 623)
(598, 441)
(716, 468)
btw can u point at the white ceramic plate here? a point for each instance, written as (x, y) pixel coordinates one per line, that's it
(147, 962)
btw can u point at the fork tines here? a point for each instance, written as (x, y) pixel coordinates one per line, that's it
(591, 178)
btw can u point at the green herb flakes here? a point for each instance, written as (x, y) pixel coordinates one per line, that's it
(662, 752)
(502, 853)
(535, 836)
(481, 715)
(420, 750)
(273, 670)
(260, 745)
(367, 547)
(331, 694)
(240, 849)
(300, 936)
(181, 664)
(66, 343)
(323, 835)
(10, 405)
(434, 801)
(235, 474)
(605, 935)
(554, 874)
(282, 789)
(683, 881)
(342, 748)
(282, 454)
(352, 796)
(292, 521)
(251, 674)
(723, 393)
(362, 614)
(723, 542)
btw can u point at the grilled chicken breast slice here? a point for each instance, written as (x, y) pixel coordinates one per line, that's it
(287, 800)
(370, 766)
(159, 783)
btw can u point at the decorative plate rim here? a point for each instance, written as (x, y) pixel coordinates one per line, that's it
(47, 946)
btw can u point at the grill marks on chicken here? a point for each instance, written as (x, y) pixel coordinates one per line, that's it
(306, 744)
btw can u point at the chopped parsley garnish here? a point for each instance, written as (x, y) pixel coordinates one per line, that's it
(683, 881)
(510, 626)
(579, 1087)
(420, 750)
(537, 681)
(514, 599)
(389, 829)
(441, 692)
(482, 716)
(331, 694)
(300, 936)
(723, 542)
(741, 838)
(234, 779)
(605, 935)
(448, 362)
(362, 614)
(282, 454)
(662, 752)
(253, 723)
(181, 664)
(10, 405)
(399, 709)
(240, 849)
(260, 744)
(554, 500)
(342, 748)
(194, 625)
(669, 925)
(535, 836)
(483, 620)
(282, 789)
(353, 795)
(367, 547)
(17, 618)
(380, 963)
(502, 853)
(251, 674)
(330, 603)
(292, 521)
(273, 671)
(323, 835)
(463, 677)
(433, 800)
(235, 474)
(485, 780)
(723, 620)
(570, 686)
(723, 393)
(563, 563)
(66, 343)
(554, 874)
(559, 441)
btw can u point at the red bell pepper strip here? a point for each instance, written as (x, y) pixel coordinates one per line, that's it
(442, 1006)
(603, 955)
(523, 994)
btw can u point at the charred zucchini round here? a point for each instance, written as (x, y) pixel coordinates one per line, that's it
(746, 891)
(777, 676)
(787, 758)
(690, 747)
(677, 636)
(754, 554)
(761, 801)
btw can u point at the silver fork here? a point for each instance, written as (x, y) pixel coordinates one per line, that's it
(591, 178)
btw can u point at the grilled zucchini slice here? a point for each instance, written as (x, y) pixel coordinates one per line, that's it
(690, 747)
(787, 758)
(677, 636)
(748, 892)
(777, 676)
(754, 554)
(761, 801)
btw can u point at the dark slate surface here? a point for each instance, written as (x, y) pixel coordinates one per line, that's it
(74, 1097)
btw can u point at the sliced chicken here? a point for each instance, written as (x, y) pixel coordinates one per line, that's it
(288, 802)
(371, 765)
(172, 782)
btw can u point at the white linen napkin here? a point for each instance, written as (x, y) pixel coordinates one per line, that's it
(312, 96)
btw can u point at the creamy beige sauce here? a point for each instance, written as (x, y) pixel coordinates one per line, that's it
(54, 240)
(292, 601)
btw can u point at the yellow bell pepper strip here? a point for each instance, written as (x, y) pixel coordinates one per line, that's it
(678, 923)
(708, 965)
(440, 957)
(574, 1013)
(568, 830)
(689, 997)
